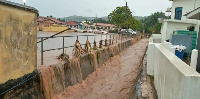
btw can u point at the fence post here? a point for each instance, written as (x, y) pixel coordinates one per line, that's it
(95, 45)
(110, 40)
(42, 51)
(121, 37)
(116, 38)
(63, 44)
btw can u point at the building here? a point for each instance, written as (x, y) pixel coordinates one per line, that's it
(173, 78)
(103, 26)
(178, 20)
(71, 24)
(18, 40)
(53, 24)
(195, 14)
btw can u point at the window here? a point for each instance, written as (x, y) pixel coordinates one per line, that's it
(178, 13)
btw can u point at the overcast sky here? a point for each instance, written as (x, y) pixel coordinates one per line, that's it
(91, 8)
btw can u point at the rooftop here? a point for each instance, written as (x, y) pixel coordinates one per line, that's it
(19, 6)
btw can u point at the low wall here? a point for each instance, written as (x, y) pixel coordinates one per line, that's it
(173, 78)
(156, 36)
(56, 78)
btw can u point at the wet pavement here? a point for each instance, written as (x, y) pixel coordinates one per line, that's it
(113, 80)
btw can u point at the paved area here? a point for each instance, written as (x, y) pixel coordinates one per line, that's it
(49, 57)
(113, 80)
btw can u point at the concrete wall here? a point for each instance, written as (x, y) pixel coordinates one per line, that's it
(173, 78)
(188, 5)
(157, 38)
(150, 60)
(18, 42)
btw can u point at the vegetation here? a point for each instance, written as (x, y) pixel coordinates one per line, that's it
(151, 24)
(100, 20)
(122, 17)
(113, 31)
(111, 55)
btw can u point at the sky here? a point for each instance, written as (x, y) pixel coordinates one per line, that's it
(92, 8)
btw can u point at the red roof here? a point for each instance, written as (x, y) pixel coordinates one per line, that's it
(41, 19)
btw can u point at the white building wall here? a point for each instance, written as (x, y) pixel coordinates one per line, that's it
(174, 26)
(169, 26)
(163, 31)
(188, 5)
(173, 78)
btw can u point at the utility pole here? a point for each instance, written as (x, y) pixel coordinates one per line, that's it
(96, 22)
(126, 17)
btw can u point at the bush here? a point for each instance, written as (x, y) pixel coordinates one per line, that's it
(113, 31)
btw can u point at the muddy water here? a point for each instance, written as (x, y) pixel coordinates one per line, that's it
(54, 79)
(113, 79)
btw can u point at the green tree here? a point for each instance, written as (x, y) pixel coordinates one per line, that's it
(120, 16)
(151, 23)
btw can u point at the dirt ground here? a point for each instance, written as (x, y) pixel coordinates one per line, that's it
(113, 80)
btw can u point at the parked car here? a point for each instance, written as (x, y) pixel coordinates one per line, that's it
(131, 32)
(125, 31)
(121, 31)
(89, 30)
(83, 31)
(75, 30)
(100, 31)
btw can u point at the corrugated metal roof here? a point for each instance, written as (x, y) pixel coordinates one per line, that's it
(20, 6)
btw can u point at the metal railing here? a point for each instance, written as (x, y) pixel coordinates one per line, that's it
(116, 37)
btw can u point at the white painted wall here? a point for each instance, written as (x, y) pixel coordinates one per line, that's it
(173, 78)
(169, 26)
(150, 60)
(188, 5)
(163, 31)
(156, 36)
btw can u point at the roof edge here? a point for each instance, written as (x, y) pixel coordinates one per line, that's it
(19, 6)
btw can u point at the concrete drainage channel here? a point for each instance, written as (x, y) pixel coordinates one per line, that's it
(143, 88)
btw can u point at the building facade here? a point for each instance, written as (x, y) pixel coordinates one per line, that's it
(51, 24)
(178, 19)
